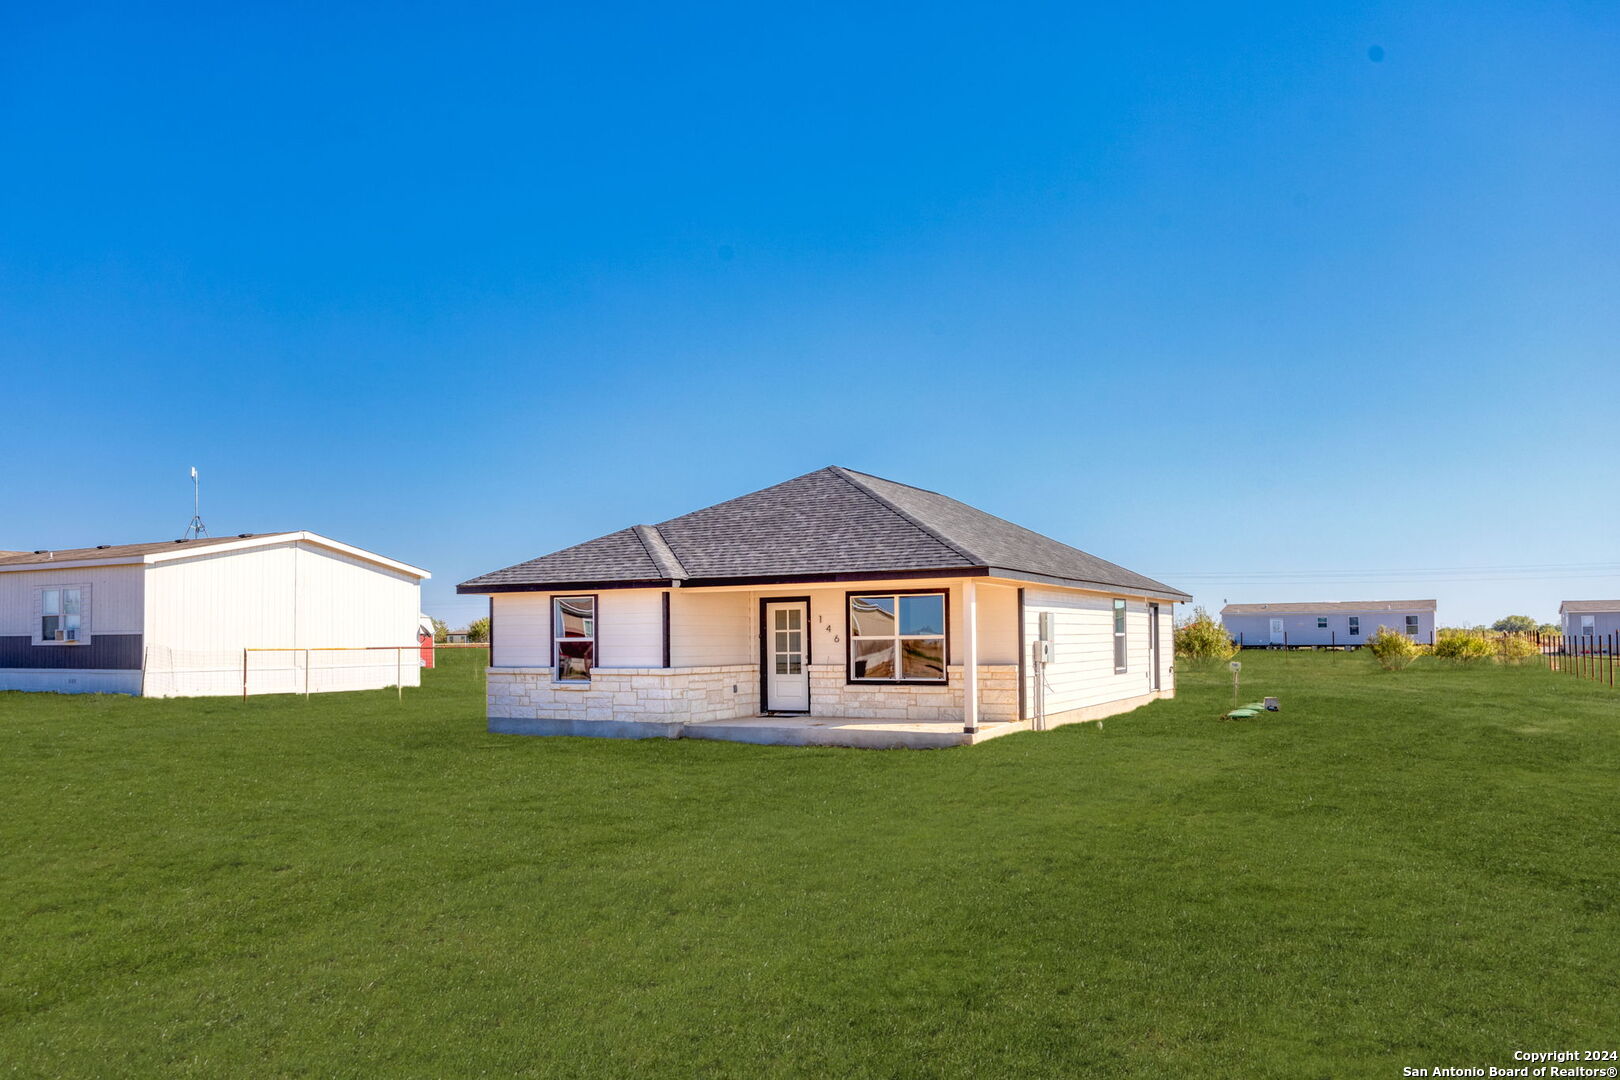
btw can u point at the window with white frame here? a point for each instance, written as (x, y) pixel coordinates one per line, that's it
(1321, 622)
(1588, 625)
(573, 621)
(1119, 637)
(1411, 626)
(897, 637)
(64, 614)
(1355, 626)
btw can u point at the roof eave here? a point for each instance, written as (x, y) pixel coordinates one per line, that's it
(476, 588)
(72, 564)
(1155, 589)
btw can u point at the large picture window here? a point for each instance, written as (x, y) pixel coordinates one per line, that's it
(573, 620)
(897, 637)
(1119, 637)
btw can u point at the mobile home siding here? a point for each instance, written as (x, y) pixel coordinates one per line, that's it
(1301, 627)
(1603, 622)
(202, 612)
(109, 662)
(117, 593)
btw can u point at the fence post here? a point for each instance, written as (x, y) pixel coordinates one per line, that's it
(399, 672)
(306, 674)
(244, 674)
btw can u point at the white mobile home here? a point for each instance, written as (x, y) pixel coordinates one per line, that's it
(1333, 623)
(268, 613)
(1589, 618)
(833, 608)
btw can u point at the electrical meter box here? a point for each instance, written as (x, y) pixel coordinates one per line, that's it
(1043, 645)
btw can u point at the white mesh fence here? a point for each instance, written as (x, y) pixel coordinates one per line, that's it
(204, 673)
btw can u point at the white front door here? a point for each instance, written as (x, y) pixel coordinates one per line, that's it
(787, 668)
(1276, 631)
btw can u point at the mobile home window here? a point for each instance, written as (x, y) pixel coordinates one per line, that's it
(1321, 622)
(1588, 625)
(574, 633)
(1411, 626)
(897, 637)
(61, 615)
(1355, 626)
(1119, 637)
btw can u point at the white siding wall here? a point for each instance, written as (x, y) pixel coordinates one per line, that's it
(712, 629)
(1167, 646)
(202, 612)
(629, 628)
(1082, 673)
(115, 597)
(522, 630)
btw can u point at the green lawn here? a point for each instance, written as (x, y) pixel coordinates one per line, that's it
(1415, 869)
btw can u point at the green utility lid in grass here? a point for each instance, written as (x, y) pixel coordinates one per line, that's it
(1243, 714)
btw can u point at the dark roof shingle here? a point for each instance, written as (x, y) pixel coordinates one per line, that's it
(832, 521)
(117, 551)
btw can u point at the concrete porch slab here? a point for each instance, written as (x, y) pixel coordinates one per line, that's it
(845, 731)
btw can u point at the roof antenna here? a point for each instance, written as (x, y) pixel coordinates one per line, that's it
(196, 529)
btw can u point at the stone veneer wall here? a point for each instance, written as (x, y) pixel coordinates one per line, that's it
(687, 695)
(832, 695)
(695, 694)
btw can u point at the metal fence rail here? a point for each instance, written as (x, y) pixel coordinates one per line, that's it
(1584, 656)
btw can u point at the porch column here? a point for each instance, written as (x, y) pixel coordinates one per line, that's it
(970, 657)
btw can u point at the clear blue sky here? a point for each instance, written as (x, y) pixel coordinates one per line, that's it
(1282, 290)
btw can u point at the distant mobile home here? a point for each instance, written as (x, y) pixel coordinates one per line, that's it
(172, 618)
(1348, 622)
(837, 608)
(1589, 618)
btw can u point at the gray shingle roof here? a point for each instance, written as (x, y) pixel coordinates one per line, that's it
(833, 522)
(1587, 607)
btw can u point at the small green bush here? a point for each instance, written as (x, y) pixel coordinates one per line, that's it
(1394, 650)
(1482, 646)
(1202, 638)
(1464, 646)
(1516, 649)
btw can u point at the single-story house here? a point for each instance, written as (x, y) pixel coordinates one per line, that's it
(837, 608)
(1589, 618)
(456, 637)
(1348, 622)
(288, 612)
